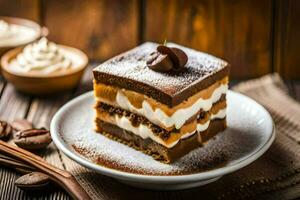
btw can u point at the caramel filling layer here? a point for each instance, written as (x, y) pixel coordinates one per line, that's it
(108, 94)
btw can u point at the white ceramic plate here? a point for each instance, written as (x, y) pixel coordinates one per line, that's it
(249, 134)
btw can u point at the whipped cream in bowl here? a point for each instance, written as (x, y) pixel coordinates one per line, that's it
(44, 67)
(45, 58)
(42, 57)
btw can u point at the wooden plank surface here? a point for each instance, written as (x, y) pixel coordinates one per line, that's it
(287, 42)
(100, 28)
(13, 105)
(238, 31)
(20, 8)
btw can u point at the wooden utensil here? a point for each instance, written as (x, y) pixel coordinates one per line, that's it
(61, 177)
(15, 164)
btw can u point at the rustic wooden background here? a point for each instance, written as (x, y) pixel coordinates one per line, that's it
(255, 36)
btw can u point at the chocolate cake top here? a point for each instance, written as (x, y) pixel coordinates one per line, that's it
(129, 70)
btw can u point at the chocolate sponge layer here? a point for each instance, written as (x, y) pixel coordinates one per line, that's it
(129, 71)
(156, 150)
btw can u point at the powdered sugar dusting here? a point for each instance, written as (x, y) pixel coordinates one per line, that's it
(132, 65)
(244, 135)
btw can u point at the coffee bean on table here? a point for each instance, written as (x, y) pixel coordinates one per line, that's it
(21, 124)
(33, 139)
(33, 181)
(5, 130)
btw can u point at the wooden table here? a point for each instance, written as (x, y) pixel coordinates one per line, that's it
(40, 111)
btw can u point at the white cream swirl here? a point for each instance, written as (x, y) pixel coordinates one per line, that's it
(178, 118)
(145, 132)
(42, 56)
(14, 35)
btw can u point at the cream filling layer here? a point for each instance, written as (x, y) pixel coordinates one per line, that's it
(145, 132)
(178, 118)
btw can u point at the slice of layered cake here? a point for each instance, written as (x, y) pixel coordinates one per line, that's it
(162, 100)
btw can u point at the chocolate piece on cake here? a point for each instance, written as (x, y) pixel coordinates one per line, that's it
(162, 100)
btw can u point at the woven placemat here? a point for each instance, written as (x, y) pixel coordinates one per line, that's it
(276, 175)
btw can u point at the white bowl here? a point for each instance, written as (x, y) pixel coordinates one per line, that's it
(249, 134)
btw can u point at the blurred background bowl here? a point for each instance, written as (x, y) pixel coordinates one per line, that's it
(43, 84)
(27, 23)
